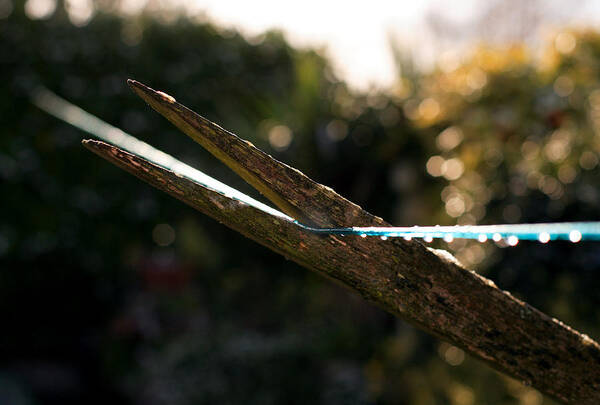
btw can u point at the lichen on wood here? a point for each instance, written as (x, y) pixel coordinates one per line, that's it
(427, 289)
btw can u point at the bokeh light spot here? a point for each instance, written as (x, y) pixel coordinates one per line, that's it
(558, 146)
(455, 206)
(429, 109)
(411, 109)
(531, 397)
(548, 185)
(544, 237)
(40, 9)
(449, 138)
(163, 234)
(594, 99)
(563, 86)
(575, 236)
(588, 160)
(529, 149)
(80, 11)
(452, 169)
(454, 356)
(280, 137)
(493, 156)
(472, 255)
(476, 79)
(462, 395)
(337, 130)
(132, 7)
(567, 174)
(565, 42)
(434, 166)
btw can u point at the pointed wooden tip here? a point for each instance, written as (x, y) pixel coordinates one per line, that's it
(109, 152)
(150, 95)
(95, 145)
(290, 190)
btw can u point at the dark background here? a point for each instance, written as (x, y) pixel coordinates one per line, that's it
(94, 309)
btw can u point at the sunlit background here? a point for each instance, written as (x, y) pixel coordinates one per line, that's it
(357, 36)
(478, 113)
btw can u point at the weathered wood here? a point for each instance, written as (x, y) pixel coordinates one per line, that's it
(428, 289)
(291, 191)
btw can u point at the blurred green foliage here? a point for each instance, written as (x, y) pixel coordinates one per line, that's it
(95, 309)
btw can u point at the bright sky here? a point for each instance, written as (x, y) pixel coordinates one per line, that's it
(356, 35)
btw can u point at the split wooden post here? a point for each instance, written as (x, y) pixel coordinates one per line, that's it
(427, 288)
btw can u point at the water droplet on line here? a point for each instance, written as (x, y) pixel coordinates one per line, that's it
(363, 235)
(407, 237)
(482, 237)
(497, 237)
(544, 237)
(448, 237)
(512, 240)
(574, 236)
(428, 239)
(384, 237)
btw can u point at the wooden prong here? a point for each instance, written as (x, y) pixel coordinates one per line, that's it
(288, 188)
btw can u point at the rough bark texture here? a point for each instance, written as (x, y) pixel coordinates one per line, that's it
(289, 189)
(428, 289)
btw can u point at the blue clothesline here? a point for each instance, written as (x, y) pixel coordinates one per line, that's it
(510, 233)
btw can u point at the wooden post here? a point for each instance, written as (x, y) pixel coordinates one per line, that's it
(427, 288)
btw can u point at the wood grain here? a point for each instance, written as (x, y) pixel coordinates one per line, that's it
(427, 289)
